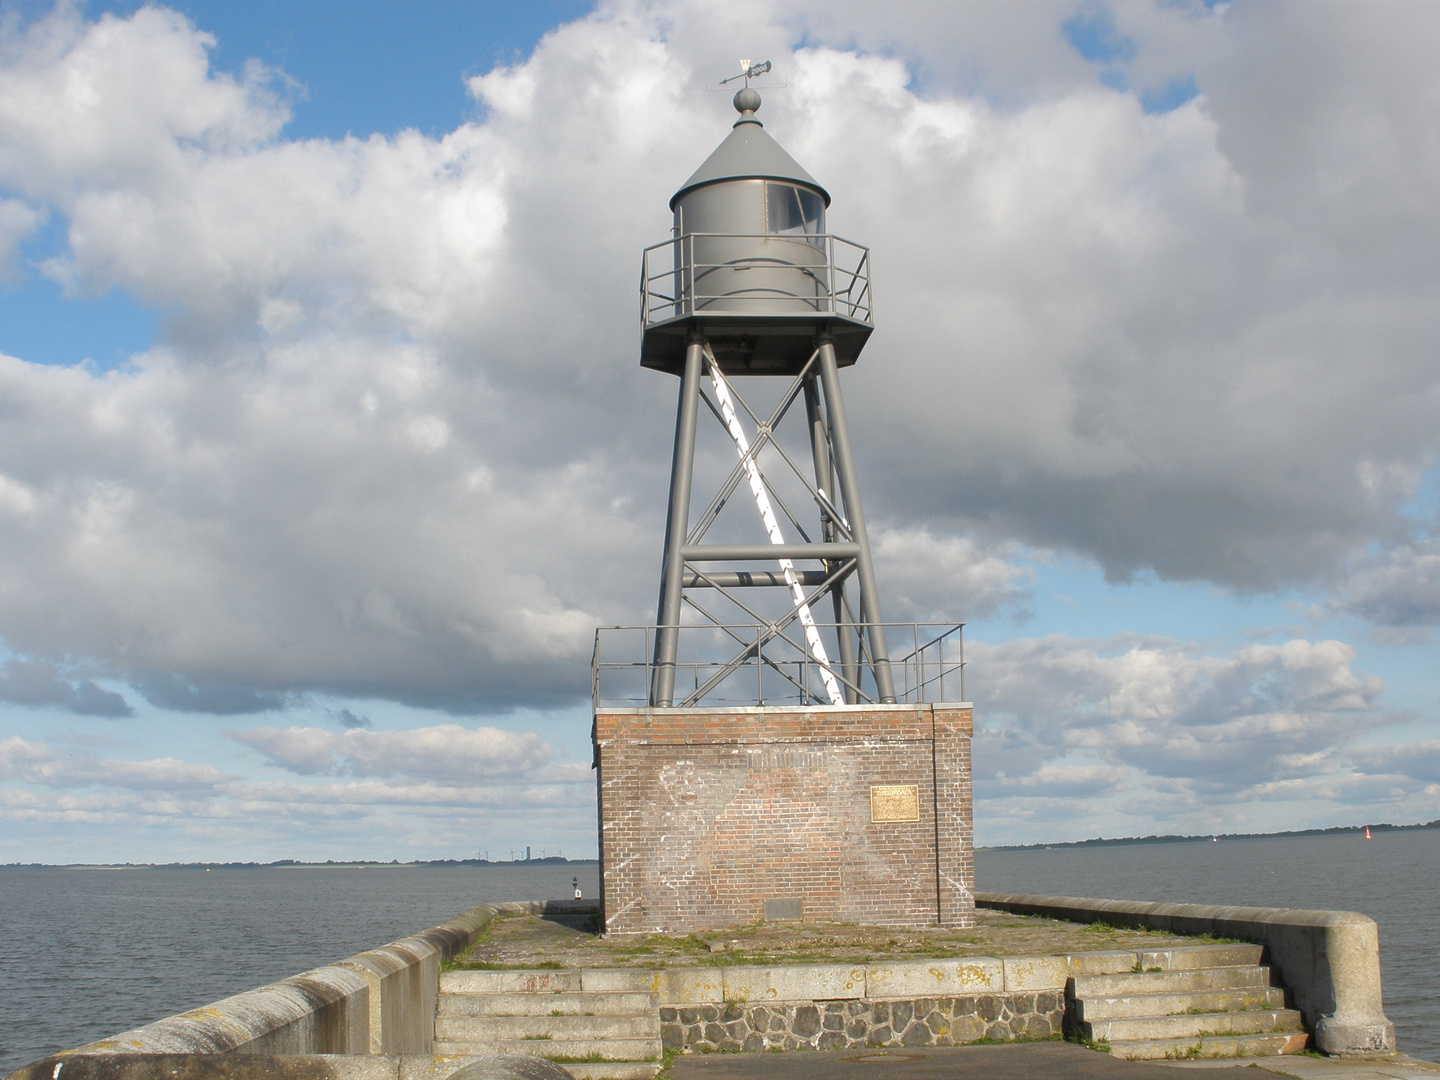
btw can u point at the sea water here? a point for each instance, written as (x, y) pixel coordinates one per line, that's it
(91, 953)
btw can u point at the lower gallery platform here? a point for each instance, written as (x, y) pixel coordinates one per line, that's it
(716, 817)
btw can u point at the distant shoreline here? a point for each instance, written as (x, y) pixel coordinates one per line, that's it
(559, 860)
(293, 864)
(1174, 839)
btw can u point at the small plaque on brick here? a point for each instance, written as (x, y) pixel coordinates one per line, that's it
(894, 802)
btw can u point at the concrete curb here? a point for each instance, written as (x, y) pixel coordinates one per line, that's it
(1329, 960)
(112, 1066)
(376, 1002)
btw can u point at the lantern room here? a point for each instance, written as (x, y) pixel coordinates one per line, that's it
(751, 266)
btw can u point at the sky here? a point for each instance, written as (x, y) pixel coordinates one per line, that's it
(324, 444)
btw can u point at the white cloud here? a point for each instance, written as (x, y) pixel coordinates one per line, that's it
(40, 683)
(1416, 762)
(930, 577)
(394, 442)
(475, 787)
(1160, 729)
(1396, 590)
(120, 101)
(445, 752)
(36, 763)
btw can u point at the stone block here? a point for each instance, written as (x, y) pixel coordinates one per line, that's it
(614, 981)
(921, 978)
(1186, 957)
(510, 982)
(1114, 962)
(797, 982)
(1035, 973)
(402, 977)
(691, 986)
(966, 1029)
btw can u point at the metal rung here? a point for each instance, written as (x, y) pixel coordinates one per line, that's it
(767, 552)
(745, 578)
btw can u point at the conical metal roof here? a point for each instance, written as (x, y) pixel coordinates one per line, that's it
(749, 153)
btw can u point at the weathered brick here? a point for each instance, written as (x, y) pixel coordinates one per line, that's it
(705, 814)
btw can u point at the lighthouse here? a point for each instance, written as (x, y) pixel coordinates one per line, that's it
(751, 284)
(771, 749)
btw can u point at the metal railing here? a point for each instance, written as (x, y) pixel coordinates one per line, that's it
(755, 664)
(676, 284)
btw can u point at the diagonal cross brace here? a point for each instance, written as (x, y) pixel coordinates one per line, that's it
(772, 527)
(765, 433)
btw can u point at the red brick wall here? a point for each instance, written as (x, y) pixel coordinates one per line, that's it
(707, 813)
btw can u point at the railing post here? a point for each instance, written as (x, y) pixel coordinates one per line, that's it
(830, 274)
(942, 667)
(759, 667)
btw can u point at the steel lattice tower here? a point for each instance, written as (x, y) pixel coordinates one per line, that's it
(752, 284)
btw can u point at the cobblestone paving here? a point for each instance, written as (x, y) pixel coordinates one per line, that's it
(569, 940)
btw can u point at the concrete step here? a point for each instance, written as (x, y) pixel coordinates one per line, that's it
(1216, 1046)
(604, 1050)
(1194, 1025)
(510, 982)
(504, 1028)
(614, 1070)
(619, 980)
(1190, 957)
(1169, 982)
(1200, 1001)
(451, 1004)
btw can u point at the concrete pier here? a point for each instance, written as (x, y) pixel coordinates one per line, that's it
(373, 1016)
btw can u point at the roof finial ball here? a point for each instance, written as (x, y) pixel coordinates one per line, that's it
(747, 103)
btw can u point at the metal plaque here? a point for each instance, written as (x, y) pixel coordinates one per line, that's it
(894, 802)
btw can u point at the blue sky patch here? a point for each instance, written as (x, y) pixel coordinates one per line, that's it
(368, 66)
(1093, 36)
(1170, 96)
(40, 324)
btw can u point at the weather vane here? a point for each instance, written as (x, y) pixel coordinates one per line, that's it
(749, 71)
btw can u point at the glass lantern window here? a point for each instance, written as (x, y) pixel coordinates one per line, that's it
(794, 211)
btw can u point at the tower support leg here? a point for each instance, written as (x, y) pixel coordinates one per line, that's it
(825, 481)
(855, 515)
(677, 525)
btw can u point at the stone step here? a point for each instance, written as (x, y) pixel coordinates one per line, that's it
(451, 1004)
(1215, 1046)
(1190, 957)
(1194, 1025)
(488, 1029)
(1169, 982)
(1201, 1001)
(603, 1050)
(510, 982)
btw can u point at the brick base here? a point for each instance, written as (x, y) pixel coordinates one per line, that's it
(711, 818)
